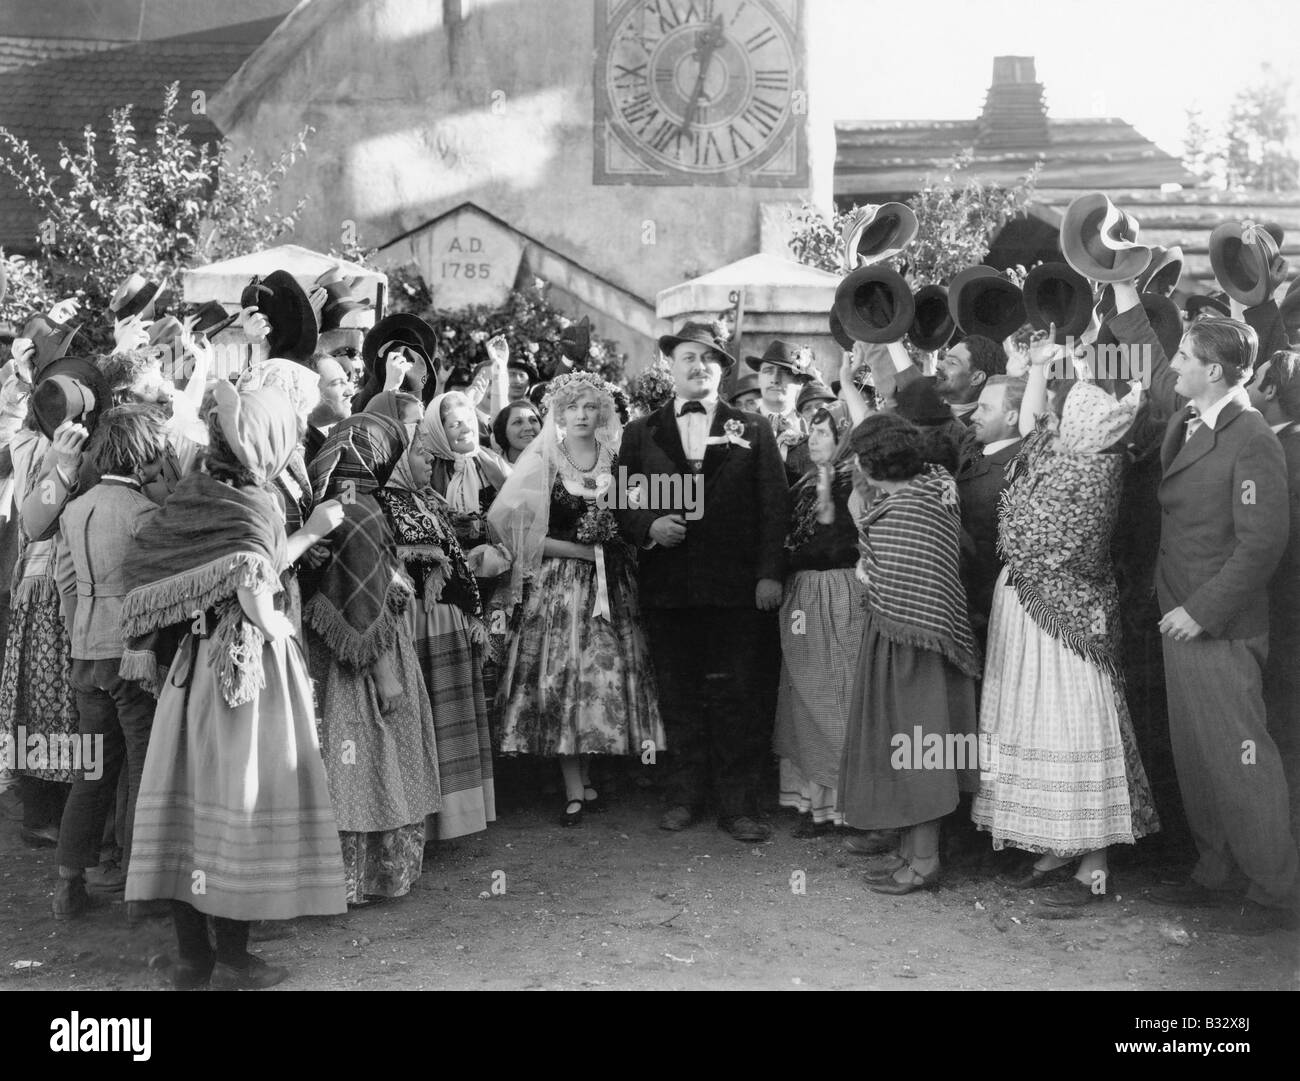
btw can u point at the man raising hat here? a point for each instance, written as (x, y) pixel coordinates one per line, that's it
(710, 570)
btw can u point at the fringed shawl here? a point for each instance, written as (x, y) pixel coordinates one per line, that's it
(910, 543)
(362, 595)
(1054, 532)
(207, 541)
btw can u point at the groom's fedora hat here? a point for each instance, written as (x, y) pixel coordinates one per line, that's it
(700, 334)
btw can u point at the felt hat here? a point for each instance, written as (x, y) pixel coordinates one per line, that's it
(401, 328)
(838, 332)
(1289, 311)
(877, 232)
(70, 388)
(1163, 272)
(797, 360)
(133, 296)
(525, 366)
(575, 340)
(1165, 319)
(1246, 261)
(212, 318)
(1216, 303)
(746, 384)
(700, 334)
(340, 298)
(932, 326)
(814, 392)
(164, 331)
(874, 304)
(52, 341)
(281, 299)
(983, 302)
(1057, 293)
(1100, 241)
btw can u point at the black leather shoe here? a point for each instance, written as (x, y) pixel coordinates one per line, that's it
(71, 899)
(593, 805)
(678, 818)
(1191, 894)
(746, 829)
(191, 975)
(872, 843)
(1073, 898)
(1032, 879)
(256, 975)
(572, 815)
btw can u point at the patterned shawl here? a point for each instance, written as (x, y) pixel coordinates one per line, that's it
(362, 596)
(910, 542)
(207, 541)
(1056, 519)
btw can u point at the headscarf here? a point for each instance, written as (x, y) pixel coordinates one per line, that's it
(299, 382)
(468, 471)
(362, 596)
(259, 425)
(408, 411)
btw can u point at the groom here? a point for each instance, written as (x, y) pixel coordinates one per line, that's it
(705, 581)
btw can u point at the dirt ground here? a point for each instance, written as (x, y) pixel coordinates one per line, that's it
(619, 904)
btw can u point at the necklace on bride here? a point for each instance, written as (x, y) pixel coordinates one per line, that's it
(585, 477)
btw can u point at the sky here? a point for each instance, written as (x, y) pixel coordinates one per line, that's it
(1142, 61)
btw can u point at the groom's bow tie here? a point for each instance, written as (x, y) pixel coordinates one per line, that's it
(692, 407)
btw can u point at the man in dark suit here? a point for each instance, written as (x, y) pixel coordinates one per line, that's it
(783, 372)
(1224, 528)
(707, 580)
(1275, 392)
(996, 424)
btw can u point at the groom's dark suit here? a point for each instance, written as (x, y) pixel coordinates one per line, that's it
(697, 599)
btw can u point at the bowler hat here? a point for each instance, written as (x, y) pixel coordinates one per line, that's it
(746, 384)
(133, 296)
(1246, 261)
(797, 360)
(281, 299)
(70, 388)
(874, 233)
(575, 340)
(701, 334)
(838, 332)
(1216, 302)
(1165, 320)
(1100, 241)
(874, 304)
(1056, 293)
(1162, 274)
(983, 302)
(932, 326)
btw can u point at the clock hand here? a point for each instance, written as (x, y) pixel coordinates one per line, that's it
(708, 42)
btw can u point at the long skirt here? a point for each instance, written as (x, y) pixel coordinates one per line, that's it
(1060, 771)
(234, 811)
(821, 630)
(382, 764)
(911, 745)
(574, 683)
(453, 674)
(38, 712)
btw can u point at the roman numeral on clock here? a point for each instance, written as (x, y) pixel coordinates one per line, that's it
(764, 37)
(640, 109)
(762, 114)
(772, 79)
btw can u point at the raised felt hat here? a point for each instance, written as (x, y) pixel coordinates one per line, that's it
(1289, 310)
(1165, 318)
(212, 318)
(932, 325)
(798, 360)
(1100, 241)
(876, 232)
(1163, 272)
(1057, 293)
(700, 334)
(1246, 261)
(575, 340)
(70, 388)
(986, 303)
(407, 330)
(1215, 302)
(282, 300)
(340, 298)
(838, 332)
(133, 296)
(52, 341)
(874, 304)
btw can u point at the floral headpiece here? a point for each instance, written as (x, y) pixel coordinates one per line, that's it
(577, 379)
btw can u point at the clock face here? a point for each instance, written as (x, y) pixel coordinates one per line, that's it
(699, 91)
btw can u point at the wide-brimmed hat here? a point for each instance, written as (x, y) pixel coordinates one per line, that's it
(1289, 311)
(746, 384)
(340, 297)
(1162, 273)
(874, 304)
(876, 232)
(575, 340)
(700, 334)
(211, 318)
(281, 299)
(814, 392)
(407, 330)
(133, 296)
(798, 360)
(52, 341)
(1216, 302)
(838, 332)
(164, 331)
(1057, 293)
(1100, 241)
(932, 325)
(70, 388)
(1246, 261)
(1165, 318)
(983, 302)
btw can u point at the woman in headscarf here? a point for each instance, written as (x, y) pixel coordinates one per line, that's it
(464, 473)
(1060, 772)
(446, 620)
(577, 678)
(911, 742)
(233, 819)
(377, 728)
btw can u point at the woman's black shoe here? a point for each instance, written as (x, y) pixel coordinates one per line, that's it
(572, 817)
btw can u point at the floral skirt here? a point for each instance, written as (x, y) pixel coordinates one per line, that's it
(383, 864)
(574, 683)
(1059, 768)
(37, 707)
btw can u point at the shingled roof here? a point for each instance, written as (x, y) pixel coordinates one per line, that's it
(50, 89)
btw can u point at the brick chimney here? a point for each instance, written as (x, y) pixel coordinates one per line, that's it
(1015, 114)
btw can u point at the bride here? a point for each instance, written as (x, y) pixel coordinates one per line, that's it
(578, 679)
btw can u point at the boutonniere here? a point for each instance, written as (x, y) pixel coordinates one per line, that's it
(735, 432)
